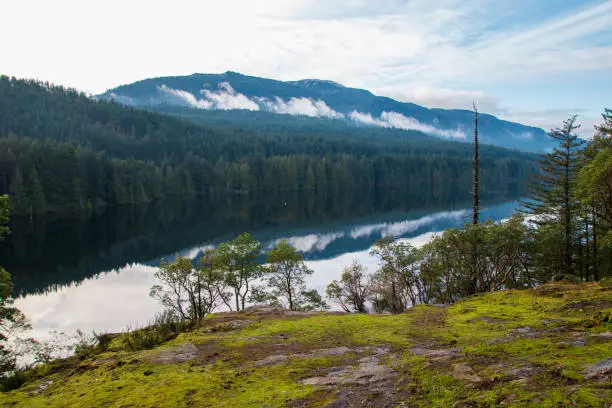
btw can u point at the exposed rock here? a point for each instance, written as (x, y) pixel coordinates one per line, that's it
(42, 387)
(336, 351)
(369, 372)
(578, 343)
(487, 319)
(465, 373)
(437, 354)
(604, 336)
(271, 360)
(601, 371)
(175, 354)
(228, 326)
(525, 331)
(523, 372)
(589, 304)
(261, 309)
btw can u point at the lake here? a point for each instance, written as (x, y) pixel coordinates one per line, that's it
(94, 271)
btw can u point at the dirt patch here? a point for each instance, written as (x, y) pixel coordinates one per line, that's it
(175, 354)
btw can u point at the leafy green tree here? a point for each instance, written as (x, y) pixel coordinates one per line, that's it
(212, 280)
(352, 291)
(11, 318)
(237, 258)
(398, 271)
(287, 274)
(181, 291)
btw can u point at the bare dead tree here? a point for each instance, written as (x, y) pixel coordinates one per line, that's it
(475, 192)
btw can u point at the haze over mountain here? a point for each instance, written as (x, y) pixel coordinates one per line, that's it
(231, 91)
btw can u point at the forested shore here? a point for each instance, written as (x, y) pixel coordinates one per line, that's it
(61, 151)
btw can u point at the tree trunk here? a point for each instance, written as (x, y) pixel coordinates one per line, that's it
(475, 191)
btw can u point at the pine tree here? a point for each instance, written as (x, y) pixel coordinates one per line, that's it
(552, 200)
(19, 199)
(37, 194)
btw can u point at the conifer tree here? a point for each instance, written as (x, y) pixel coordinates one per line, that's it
(551, 199)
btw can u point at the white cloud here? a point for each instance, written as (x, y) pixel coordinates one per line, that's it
(300, 106)
(390, 44)
(311, 242)
(186, 97)
(399, 121)
(400, 228)
(226, 98)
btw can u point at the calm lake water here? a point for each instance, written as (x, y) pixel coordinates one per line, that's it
(93, 272)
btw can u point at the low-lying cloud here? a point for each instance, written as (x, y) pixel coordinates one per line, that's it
(300, 106)
(226, 98)
(398, 121)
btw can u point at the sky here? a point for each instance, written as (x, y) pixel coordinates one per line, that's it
(534, 62)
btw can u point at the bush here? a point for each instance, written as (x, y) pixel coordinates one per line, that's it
(14, 380)
(164, 327)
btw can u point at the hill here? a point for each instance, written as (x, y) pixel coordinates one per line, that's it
(231, 91)
(62, 151)
(543, 347)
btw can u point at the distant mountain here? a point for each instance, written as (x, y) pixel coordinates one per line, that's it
(231, 91)
(62, 151)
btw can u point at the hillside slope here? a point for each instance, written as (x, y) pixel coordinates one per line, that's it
(62, 151)
(232, 91)
(544, 347)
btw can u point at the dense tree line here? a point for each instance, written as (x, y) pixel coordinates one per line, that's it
(62, 151)
(566, 237)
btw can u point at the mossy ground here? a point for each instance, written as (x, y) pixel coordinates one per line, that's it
(512, 348)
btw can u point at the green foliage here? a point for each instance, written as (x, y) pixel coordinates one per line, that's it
(236, 259)
(4, 216)
(62, 151)
(456, 264)
(352, 291)
(483, 332)
(552, 198)
(188, 293)
(14, 379)
(286, 278)
(11, 318)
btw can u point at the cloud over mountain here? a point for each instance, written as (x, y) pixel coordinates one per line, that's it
(226, 98)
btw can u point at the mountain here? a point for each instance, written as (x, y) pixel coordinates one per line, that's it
(63, 151)
(231, 91)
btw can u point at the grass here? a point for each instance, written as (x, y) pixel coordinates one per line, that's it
(554, 331)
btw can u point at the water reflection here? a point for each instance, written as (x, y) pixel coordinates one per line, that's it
(106, 287)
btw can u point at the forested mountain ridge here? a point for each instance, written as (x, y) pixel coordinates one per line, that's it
(63, 151)
(232, 91)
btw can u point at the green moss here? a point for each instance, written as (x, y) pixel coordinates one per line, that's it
(224, 374)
